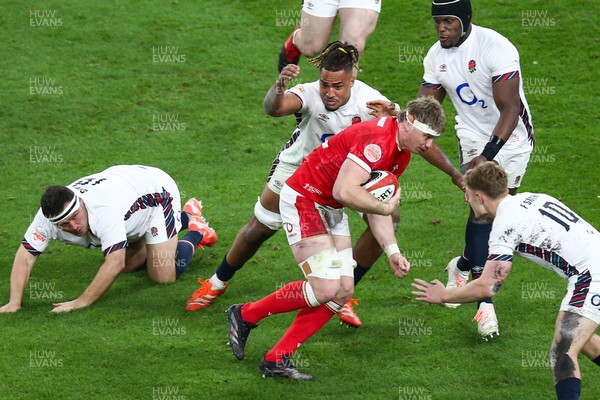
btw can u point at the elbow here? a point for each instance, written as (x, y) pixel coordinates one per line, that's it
(268, 109)
(337, 196)
(271, 112)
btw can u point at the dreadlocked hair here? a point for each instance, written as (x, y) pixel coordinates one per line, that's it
(337, 56)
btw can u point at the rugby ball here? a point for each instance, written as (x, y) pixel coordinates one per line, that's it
(382, 185)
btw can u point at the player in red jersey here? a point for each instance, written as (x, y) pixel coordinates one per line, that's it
(311, 205)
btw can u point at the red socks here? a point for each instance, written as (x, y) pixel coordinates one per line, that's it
(308, 322)
(289, 298)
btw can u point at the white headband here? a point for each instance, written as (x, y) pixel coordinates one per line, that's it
(68, 211)
(423, 127)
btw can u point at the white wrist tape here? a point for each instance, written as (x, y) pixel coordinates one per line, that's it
(391, 249)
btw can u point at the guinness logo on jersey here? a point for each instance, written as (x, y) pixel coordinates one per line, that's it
(443, 68)
(39, 238)
(372, 152)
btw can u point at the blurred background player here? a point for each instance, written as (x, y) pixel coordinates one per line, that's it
(312, 202)
(327, 106)
(132, 212)
(545, 231)
(479, 70)
(358, 19)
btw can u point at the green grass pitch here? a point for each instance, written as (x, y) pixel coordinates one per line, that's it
(179, 85)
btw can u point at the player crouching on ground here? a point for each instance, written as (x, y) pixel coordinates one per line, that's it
(547, 232)
(133, 212)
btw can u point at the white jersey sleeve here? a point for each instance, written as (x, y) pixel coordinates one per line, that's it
(429, 75)
(39, 234)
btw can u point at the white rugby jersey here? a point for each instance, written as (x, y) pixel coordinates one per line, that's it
(545, 231)
(118, 201)
(467, 72)
(318, 123)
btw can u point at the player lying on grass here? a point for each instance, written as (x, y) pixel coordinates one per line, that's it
(545, 231)
(132, 212)
(312, 202)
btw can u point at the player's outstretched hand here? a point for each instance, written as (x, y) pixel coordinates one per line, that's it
(68, 306)
(429, 292)
(399, 265)
(288, 73)
(380, 108)
(10, 308)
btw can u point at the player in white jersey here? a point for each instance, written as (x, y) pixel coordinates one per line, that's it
(543, 230)
(327, 106)
(479, 70)
(132, 212)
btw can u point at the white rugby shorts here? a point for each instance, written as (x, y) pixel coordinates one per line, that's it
(329, 8)
(514, 161)
(583, 296)
(278, 177)
(164, 219)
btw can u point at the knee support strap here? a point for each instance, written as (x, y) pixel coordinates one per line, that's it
(323, 264)
(268, 218)
(347, 262)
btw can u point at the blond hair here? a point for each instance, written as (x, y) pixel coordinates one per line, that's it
(488, 178)
(427, 110)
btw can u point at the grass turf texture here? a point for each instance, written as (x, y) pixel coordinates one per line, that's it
(116, 71)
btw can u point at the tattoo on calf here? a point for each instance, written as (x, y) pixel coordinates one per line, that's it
(564, 366)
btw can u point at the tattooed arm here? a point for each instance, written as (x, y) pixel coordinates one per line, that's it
(493, 276)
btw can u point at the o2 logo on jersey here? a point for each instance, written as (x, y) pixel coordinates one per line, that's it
(467, 96)
(595, 300)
